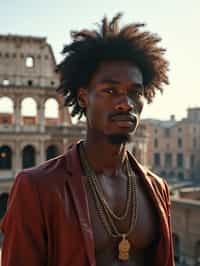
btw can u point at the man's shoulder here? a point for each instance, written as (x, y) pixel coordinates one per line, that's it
(49, 172)
(155, 178)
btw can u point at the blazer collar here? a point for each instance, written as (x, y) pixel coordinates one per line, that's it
(156, 193)
(76, 183)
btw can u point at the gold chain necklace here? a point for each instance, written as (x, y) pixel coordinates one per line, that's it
(101, 195)
(106, 214)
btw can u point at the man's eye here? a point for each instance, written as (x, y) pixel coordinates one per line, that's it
(140, 93)
(137, 93)
(109, 90)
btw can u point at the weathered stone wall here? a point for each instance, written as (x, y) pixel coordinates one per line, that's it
(186, 224)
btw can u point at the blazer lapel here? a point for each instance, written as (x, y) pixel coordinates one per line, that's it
(79, 194)
(157, 198)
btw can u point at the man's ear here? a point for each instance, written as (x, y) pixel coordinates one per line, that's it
(82, 97)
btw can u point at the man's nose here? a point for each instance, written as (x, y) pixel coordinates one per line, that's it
(124, 104)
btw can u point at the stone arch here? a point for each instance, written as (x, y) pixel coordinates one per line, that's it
(3, 203)
(6, 110)
(5, 158)
(197, 253)
(52, 151)
(3, 207)
(51, 111)
(28, 156)
(29, 110)
(29, 61)
(6, 82)
(176, 244)
(64, 113)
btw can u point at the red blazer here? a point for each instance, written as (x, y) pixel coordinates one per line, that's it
(48, 223)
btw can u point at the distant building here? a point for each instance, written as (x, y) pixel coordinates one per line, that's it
(186, 223)
(174, 146)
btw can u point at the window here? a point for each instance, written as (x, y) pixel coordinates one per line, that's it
(176, 243)
(155, 143)
(29, 62)
(179, 129)
(194, 143)
(28, 156)
(192, 160)
(30, 82)
(6, 82)
(168, 159)
(3, 205)
(51, 151)
(197, 254)
(5, 121)
(180, 176)
(157, 159)
(5, 158)
(179, 160)
(179, 142)
(167, 132)
(171, 174)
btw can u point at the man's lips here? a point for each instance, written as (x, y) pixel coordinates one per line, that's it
(127, 118)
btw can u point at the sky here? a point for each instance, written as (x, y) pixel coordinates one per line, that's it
(175, 21)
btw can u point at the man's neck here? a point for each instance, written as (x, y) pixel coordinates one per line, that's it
(103, 156)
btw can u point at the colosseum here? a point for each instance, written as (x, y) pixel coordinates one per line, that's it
(28, 82)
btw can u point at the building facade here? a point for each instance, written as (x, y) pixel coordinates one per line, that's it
(174, 146)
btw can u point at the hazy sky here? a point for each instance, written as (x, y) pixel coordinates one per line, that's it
(176, 21)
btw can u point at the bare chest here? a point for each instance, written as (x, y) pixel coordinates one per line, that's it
(141, 237)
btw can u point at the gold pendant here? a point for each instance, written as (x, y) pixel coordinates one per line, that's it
(124, 247)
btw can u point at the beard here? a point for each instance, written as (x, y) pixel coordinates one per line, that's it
(117, 139)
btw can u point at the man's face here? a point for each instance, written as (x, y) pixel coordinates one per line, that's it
(114, 99)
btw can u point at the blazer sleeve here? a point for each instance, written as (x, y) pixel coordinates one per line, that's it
(24, 241)
(168, 202)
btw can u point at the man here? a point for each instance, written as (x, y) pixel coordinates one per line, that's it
(96, 205)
